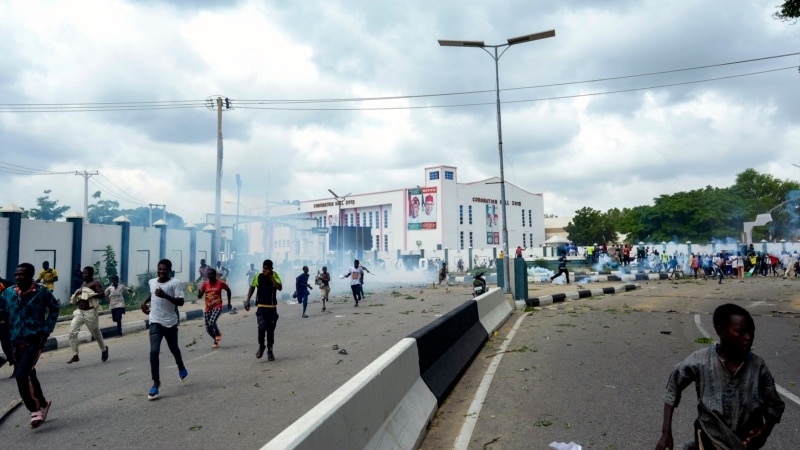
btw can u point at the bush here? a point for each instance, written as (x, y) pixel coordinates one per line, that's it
(540, 263)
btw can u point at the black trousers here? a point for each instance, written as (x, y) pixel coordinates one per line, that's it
(26, 354)
(560, 271)
(267, 321)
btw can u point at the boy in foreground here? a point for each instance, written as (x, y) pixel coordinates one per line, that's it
(738, 404)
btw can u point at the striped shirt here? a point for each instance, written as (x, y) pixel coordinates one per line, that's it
(729, 404)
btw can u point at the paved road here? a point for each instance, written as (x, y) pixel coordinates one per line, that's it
(593, 371)
(230, 398)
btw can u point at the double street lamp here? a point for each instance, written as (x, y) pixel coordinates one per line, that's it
(496, 56)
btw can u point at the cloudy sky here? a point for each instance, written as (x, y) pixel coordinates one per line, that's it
(121, 87)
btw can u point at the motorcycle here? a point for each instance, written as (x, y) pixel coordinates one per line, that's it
(478, 284)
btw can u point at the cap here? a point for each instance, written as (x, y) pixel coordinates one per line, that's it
(429, 199)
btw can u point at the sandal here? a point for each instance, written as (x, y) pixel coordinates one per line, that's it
(36, 419)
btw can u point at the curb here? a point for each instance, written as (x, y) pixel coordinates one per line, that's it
(62, 341)
(583, 293)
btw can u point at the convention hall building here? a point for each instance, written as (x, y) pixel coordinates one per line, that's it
(441, 219)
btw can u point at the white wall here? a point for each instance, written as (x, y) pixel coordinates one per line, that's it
(51, 241)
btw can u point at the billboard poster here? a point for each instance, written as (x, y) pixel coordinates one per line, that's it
(492, 225)
(422, 208)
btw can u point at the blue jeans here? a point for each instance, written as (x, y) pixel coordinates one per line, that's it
(302, 298)
(157, 332)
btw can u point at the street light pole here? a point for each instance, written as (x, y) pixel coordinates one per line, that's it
(496, 57)
(339, 246)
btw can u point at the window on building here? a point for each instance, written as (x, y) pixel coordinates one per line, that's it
(529, 219)
(523, 218)
(470, 240)
(524, 240)
(448, 175)
(461, 214)
(385, 218)
(461, 240)
(433, 175)
(469, 216)
(531, 238)
(370, 221)
(386, 242)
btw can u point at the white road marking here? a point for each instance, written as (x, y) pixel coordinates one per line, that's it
(465, 435)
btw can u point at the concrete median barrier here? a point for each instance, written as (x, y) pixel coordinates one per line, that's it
(387, 405)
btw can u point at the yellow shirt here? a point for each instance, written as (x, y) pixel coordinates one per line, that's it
(48, 278)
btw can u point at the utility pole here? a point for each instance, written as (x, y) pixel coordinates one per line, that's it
(86, 175)
(219, 104)
(236, 227)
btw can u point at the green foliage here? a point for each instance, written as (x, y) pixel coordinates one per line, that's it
(110, 261)
(104, 211)
(47, 209)
(590, 226)
(699, 215)
(789, 11)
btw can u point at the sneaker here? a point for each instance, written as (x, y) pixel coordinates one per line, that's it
(356, 304)
(104, 356)
(153, 394)
(183, 374)
(73, 359)
(323, 309)
(270, 355)
(305, 316)
(260, 351)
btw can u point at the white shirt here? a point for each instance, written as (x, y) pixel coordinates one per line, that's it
(162, 311)
(355, 275)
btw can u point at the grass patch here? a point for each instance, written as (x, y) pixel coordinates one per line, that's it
(542, 423)
(704, 340)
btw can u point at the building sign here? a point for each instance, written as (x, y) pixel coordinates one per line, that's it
(422, 208)
(492, 225)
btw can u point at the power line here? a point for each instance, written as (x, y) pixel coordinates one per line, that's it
(22, 170)
(243, 103)
(569, 83)
(562, 97)
(117, 193)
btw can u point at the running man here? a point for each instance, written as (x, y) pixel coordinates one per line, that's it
(212, 289)
(325, 285)
(302, 289)
(268, 283)
(355, 274)
(87, 297)
(30, 311)
(166, 294)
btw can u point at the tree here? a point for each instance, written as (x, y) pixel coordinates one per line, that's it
(789, 11)
(590, 226)
(47, 209)
(104, 211)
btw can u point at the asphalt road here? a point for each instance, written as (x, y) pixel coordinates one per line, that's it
(593, 371)
(231, 399)
(590, 371)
